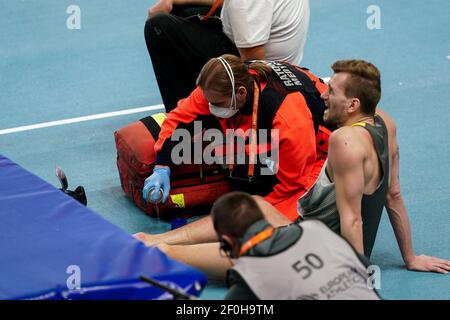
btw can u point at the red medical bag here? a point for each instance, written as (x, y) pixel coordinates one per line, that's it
(194, 188)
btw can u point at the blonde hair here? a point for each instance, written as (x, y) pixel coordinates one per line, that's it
(214, 77)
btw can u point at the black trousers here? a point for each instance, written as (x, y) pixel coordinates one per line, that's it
(179, 45)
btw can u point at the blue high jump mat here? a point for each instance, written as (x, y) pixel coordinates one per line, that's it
(52, 247)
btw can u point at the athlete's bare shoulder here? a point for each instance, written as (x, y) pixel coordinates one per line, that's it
(346, 147)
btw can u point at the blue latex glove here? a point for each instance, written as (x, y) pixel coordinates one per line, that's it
(159, 180)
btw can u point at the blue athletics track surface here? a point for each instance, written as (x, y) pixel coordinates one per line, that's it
(49, 72)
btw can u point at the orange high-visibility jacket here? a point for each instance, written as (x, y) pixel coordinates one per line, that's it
(285, 104)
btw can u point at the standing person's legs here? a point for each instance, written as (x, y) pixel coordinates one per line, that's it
(179, 48)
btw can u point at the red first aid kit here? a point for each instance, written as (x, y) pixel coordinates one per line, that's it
(194, 188)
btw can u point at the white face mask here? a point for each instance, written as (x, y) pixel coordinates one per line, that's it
(222, 112)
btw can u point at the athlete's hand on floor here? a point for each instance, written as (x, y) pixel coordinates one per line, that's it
(428, 264)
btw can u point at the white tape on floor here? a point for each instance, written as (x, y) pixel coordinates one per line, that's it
(81, 119)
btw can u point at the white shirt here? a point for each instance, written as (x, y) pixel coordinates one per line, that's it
(280, 25)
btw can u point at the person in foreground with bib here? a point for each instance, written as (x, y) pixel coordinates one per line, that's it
(305, 261)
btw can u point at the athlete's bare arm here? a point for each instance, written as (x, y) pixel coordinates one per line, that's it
(397, 213)
(346, 161)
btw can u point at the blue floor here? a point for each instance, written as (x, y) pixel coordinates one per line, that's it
(48, 72)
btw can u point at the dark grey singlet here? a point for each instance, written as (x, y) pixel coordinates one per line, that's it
(320, 201)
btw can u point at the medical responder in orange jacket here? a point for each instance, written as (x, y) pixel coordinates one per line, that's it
(256, 95)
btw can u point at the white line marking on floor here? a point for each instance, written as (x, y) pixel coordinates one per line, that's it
(81, 119)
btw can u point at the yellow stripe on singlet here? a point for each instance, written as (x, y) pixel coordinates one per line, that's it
(360, 124)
